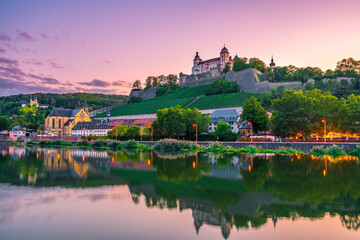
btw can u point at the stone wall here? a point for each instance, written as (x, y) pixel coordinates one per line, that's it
(143, 94)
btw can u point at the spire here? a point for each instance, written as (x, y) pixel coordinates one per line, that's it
(78, 106)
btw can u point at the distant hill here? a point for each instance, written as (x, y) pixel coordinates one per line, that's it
(186, 97)
(11, 104)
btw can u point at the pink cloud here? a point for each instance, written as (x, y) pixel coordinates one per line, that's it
(4, 37)
(25, 36)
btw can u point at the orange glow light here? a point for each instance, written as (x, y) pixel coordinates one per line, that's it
(112, 160)
(149, 162)
(58, 156)
(194, 125)
(193, 164)
(249, 168)
(324, 172)
(3, 153)
(19, 154)
(37, 155)
(322, 120)
(83, 158)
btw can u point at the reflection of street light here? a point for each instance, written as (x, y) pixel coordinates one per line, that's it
(325, 170)
(85, 134)
(151, 132)
(324, 121)
(250, 124)
(196, 129)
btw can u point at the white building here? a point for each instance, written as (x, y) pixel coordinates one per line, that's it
(93, 128)
(201, 66)
(230, 116)
(17, 132)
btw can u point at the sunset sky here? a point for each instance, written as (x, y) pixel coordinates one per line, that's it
(104, 46)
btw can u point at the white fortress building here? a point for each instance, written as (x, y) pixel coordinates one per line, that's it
(201, 66)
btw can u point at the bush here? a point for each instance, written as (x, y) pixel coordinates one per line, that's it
(253, 149)
(173, 146)
(318, 150)
(60, 143)
(116, 146)
(355, 152)
(221, 86)
(31, 143)
(83, 144)
(99, 144)
(215, 147)
(133, 145)
(334, 151)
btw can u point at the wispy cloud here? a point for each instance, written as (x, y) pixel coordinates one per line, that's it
(45, 80)
(25, 36)
(33, 62)
(4, 37)
(107, 61)
(8, 61)
(2, 50)
(96, 83)
(53, 64)
(121, 83)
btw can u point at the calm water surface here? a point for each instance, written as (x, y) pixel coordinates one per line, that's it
(85, 194)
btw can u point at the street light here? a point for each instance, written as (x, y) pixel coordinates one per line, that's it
(85, 134)
(251, 130)
(151, 132)
(324, 121)
(196, 130)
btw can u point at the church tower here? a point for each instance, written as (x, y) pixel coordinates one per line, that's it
(196, 69)
(86, 107)
(224, 57)
(272, 64)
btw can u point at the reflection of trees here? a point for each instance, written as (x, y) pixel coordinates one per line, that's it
(180, 169)
(350, 221)
(255, 179)
(303, 180)
(223, 159)
(128, 156)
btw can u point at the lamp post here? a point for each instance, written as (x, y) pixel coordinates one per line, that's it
(251, 131)
(196, 130)
(151, 132)
(324, 121)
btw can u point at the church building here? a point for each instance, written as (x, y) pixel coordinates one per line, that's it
(61, 121)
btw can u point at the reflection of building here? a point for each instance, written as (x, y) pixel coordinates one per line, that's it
(61, 121)
(229, 116)
(204, 211)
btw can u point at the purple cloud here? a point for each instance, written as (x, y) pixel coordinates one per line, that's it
(2, 50)
(47, 37)
(122, 84)
(45, 80)
(8, 61)
(33, 62)
(4, 37)
(96, 83)
(25, 36)
(106, 61)
(53, 64)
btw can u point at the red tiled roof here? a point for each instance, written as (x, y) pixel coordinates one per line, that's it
(131, 122)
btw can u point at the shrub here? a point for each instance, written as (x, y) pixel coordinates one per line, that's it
(172, 145)
(31, 143)
(334, 151)
(60, 143)
(116, 146)
(215, 146)
(99, 144)
(83, 144)
(355, 152)
(253, 149)
(318, 150)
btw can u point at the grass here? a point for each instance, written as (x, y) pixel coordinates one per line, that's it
(332, 151)
(182, 98)
(222, 100)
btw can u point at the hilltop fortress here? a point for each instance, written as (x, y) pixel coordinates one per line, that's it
(249, 80)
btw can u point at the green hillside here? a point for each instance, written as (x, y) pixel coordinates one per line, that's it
(184, 98)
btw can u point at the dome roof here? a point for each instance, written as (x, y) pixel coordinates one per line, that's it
(224, 49)
(236, 57)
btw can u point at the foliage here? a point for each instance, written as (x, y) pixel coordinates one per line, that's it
(348, 65)
(162, 80)
(137, 84)
(133, 145)
(174, 146)
(135, 99)
(118, 132)
(133, 132)
(175, 122)
(255, 113)
(221, 86)
(4, 123)
(318, 150)
(99, 144)
(334, 151)
(355, 152)
(224, 132)
(267, 97)
(240, 64)
(167, 89)
(85, 144)
(226, 69)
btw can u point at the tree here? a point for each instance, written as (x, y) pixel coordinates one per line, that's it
(175, 122)
(348, 65)
(239, 64)
(221, 86)
(255, 113)
(170, 122)
(133, 132)
(118, 132)
(223, 132)
(194, 116)
(161, 80)
(226, 68)
(137, 84)
(258, 64)
(4, 123)
(171, 79)
(148, 82)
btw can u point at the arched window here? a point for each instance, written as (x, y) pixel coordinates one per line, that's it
(53, 123)
(59, 123)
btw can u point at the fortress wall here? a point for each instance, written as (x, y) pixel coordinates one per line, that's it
(149, 93)
(287, 85)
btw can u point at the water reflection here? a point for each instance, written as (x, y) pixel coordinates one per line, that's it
(229, 191)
